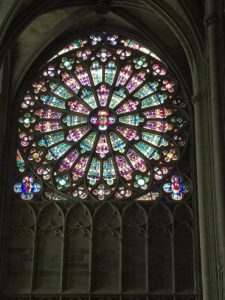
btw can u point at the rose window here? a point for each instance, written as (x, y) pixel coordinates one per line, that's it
(103, 119)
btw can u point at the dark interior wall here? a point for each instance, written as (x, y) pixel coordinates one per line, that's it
(176, 31)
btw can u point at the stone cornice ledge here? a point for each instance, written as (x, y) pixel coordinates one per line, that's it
(212, 19)
(197, 98)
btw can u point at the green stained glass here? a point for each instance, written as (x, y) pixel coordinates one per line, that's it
(109, 174)
(89, 98)
(96, 72)
(51, 139)
(155, 139)
(72, 120)
(153, 100)
(20, 163)
(147, 89)
(117, 97)
(110, 72)
(87, 144)
(134, 120)
(58, 151)
(53, 101)
(117, 143)
(94, 171)
(59, 90)
(148, 151)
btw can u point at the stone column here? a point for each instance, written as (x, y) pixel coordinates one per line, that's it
(213, 154)
(4, 147)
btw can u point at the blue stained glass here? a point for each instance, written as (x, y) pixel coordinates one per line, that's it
(146, 90)
(59, 90)
(53, 101)
(57, 151)
(117, 143)
(110, 71)
(27, 187)
(87, 144)
(155, 139)
(153, 100)
(96, 72)
(72, 120)
(131, 120)
(94, 171)
(109, 174)
(51, 139)
(117, 97)
(89, 98)
(148, 151)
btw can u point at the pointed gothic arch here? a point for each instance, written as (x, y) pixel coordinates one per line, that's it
(193, 58)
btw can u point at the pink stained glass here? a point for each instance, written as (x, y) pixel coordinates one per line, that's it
(82, 75)
(67, 162)
(128, 106)
(159, 126)
(80, 168)
(102, 147)
(77, 133)
(76, 106)
(129, 133)
(71, 82)
(124, 75)
(103, 94)
(137, 162)
(158, 113)
(124, 168)
(135, 81)
(47, 126)
(47, 114)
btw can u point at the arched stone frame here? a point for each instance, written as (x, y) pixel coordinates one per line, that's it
(210, 215)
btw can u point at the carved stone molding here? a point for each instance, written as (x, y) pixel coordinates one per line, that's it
(197, 98)
(212, 19)
(102, 7)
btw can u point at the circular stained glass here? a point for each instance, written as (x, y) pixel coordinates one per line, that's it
(102, 120)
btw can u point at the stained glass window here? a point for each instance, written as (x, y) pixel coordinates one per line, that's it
(103, 119)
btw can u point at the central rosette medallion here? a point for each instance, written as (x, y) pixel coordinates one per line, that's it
(102, 119)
